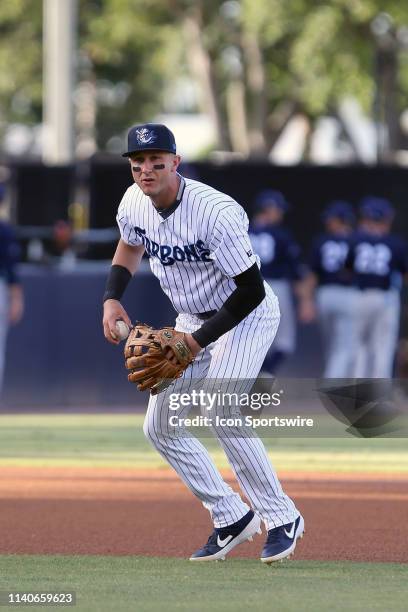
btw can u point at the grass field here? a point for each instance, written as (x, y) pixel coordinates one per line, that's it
(149, 584)
(118, 441)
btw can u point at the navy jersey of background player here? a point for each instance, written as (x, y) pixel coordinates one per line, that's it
(9, 253)
(279, 253)
(281, 267)
(334, 295)
(331, 248)
(378, 259)
(11, 296)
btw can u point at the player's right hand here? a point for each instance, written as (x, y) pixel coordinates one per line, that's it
(112, 311)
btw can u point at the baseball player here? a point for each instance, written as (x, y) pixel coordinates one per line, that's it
(379, 261)
(198, 245)
(11, 293)
(281, 264)
(335, 297)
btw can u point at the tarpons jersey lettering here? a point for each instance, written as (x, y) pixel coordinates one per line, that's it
(197, 249)
(168, 255)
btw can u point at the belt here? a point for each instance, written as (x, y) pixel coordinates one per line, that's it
(205, 315)
(382, 289)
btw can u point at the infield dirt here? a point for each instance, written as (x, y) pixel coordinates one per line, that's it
(150, 512)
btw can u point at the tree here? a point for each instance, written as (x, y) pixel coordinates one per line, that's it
(255, 64)
(21, 62)
(270, 60)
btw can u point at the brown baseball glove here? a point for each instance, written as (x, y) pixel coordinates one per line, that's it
(146, 351)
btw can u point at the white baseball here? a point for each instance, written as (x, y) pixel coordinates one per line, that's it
(122, 330)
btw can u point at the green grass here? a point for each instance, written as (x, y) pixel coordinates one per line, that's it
(117, 440)
(151, 584)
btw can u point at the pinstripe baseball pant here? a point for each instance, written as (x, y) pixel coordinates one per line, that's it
(235, 359)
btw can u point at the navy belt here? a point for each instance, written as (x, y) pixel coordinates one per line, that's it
(205, 315)
(374, 288)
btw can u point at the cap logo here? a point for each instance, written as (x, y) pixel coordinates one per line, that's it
(145, 136)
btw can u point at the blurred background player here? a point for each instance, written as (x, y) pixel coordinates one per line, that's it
(61, 249)
(335, 297)
(11, 294)
(379, 260)
(281, 267)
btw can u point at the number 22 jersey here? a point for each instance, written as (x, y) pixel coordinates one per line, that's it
(377, 262)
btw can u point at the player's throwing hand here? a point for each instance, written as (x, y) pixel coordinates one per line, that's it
(112, 311)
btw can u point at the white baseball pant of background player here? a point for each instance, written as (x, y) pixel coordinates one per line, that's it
(376, 317)
(285, 339)
(336, 306)
(236, 356)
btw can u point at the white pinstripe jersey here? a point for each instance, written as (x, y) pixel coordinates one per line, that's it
(195, 248)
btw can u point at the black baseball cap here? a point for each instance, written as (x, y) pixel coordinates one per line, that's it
(150, 136)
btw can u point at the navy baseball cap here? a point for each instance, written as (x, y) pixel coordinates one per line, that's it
(339, 209)
(376, 209)
(271, 199)
(150, 136)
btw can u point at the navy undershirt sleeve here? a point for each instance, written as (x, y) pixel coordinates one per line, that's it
(244, 299)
